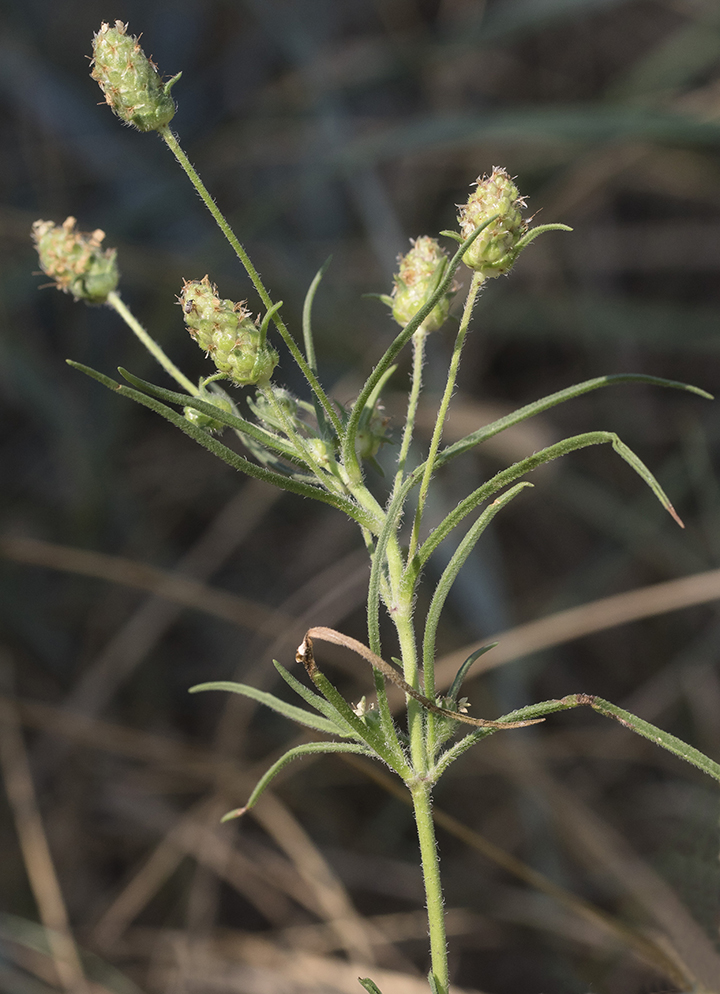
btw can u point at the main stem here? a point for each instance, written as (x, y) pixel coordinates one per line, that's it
(422, 807)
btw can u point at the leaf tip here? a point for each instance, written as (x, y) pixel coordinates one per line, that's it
(675, 515)
(231, 815)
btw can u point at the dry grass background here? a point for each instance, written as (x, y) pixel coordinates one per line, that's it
(577, 858)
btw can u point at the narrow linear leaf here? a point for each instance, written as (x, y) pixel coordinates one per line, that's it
(644, 473)
(307, 749)
(654, 734)
(648, 731)
(370, 986)
(524, 466)
(260, 435)
(232, 459)
(307, 315)
(314, 700)
(306, 656)
(553, 400)
(386, 746)
(457, 683)
(449, 576)
(298, 715)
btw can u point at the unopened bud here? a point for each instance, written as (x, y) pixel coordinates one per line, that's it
(372, 433)
(75, 260)
(420, 273)
(496, 247)
(227, 333)
(216, 396)
(129, 79)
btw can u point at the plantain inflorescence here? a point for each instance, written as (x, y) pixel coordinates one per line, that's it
(75, 260)
(419, 275)
(130, 80)
(494, 251)
(227, 333)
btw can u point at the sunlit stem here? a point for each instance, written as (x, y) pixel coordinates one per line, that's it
(418, 341)
(477, 282)
(150, 344)
(422, 807)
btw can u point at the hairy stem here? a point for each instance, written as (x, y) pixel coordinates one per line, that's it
(115, 301)
(477, 282)
(422, 808)
(418, 341)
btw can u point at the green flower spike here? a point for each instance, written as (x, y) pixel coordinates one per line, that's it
(496, 248)
(227, 333)
(75, 260)
(130, 80)
(420, 273)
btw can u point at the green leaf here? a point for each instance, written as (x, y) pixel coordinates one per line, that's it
(227, 455)
(370, 986)
(525, 466)
(552, 400)
(298, 715)
(314, 700)
(657, 735)
(449, 576)
(644, 473)
(255, 432)
(457, 683)
(307, 749)
(653, 733)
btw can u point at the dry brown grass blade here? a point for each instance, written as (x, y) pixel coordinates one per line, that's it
(641, 946)
(196, 834)
(605, 851)
(330, 894)
(169, 585)
(131, 644)
(35, 849)
(331, 594)
(258, 966)
(645, 602)
(399, 926)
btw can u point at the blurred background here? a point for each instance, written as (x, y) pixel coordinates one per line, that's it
(576, 857)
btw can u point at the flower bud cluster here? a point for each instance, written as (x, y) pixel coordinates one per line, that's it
(227, 333)
(216, 396)
(130, 80)
(372, 432)
(75, 260)
(496, 247)
(418, 277)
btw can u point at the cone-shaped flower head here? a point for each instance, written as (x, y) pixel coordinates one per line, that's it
(76, 260)
(420, 273)
(227, 333)
(496, 247)
(130, 80)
